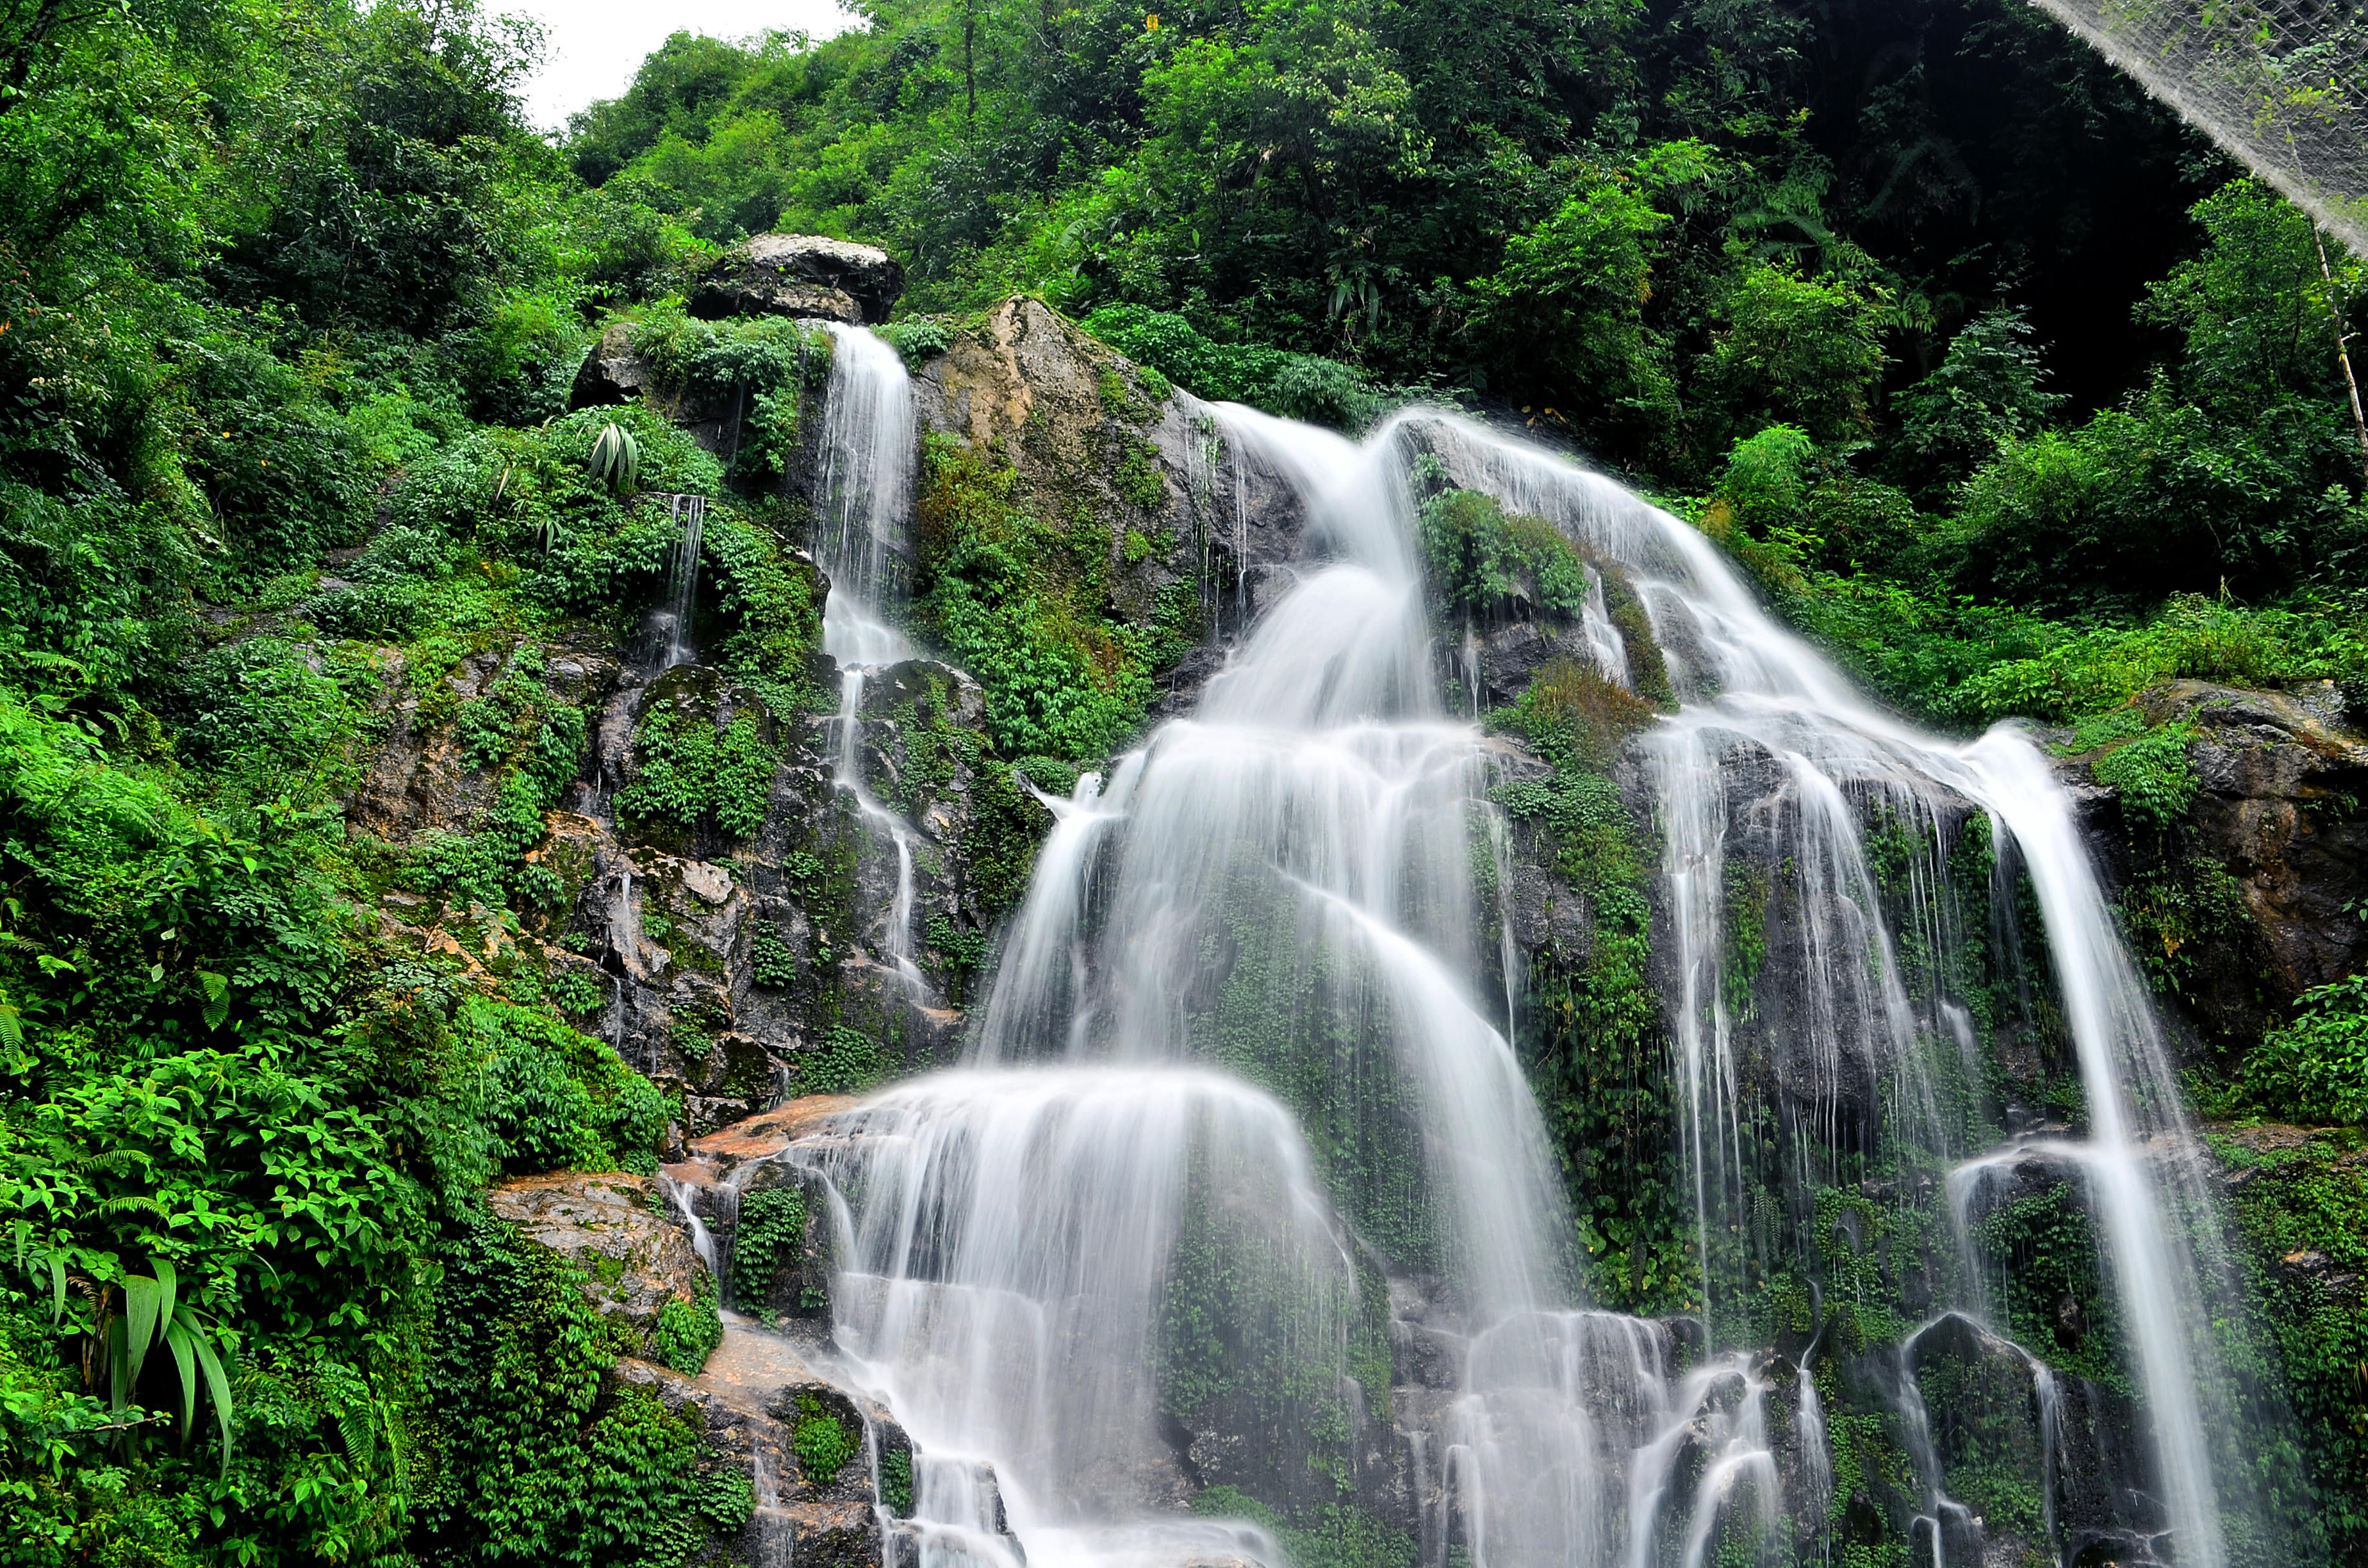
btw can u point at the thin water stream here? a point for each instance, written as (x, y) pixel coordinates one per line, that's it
(1280, 892)
(870, 444)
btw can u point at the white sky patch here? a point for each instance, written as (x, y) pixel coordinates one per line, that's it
(597, 45)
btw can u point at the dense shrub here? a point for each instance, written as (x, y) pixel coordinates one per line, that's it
(2314, 1069)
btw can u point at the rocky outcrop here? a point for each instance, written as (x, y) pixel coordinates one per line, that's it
(1186, 502)
(800, 275)
(635, 1259)
(2281, 784)
(822, 1462)
(2256, 895)
(612, 372)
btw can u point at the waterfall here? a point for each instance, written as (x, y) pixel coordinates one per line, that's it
(1241, 1013)
(868, 448)
(869, 443)
(682, 580)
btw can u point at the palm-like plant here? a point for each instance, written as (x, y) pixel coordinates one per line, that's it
(616, 459)
(153, 1315)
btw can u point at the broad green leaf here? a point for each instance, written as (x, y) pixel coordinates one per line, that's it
(168, 1289)
(118, 1384)
(141, 1297)
(179, 1336)
(218, 1386)
(57, 1289)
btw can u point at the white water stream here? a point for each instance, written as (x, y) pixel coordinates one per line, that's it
(870, 441)
(1021, 1238)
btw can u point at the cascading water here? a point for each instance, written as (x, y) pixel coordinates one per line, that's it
(690, 511)
(870, 444)
(1278, 892)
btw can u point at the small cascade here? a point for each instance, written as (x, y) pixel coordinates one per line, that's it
(771, 1529)
(870, 444)
(1717, 1425)
(674, 622)
(1817, 1459)
(847, 775)
(958, 1518)
(703, 1240)
(1044, 963)
(1944, 1518)
(1000, 1285)
(1604, 642)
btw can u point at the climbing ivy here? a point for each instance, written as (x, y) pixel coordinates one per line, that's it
(688, 1332)
(540, 1453)
(770, 1227)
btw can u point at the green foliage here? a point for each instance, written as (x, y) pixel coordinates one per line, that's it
(1337, 1535)
(1483, 562)
(918, 339)
(2174, 919)
(554, 1098)
(2151, 775)
(844, 1061)
(1990, 389)
(688, 769)
(1018, 602)
(1296, 386)
(822, 1442)
(541, 1452)
(896, 1481)
(1798, 350)
(770, 962)
(772, 1227)
(2041, 1246)
(2314, 1068)
(2302, 1212)
(687, 1332)
(1593, 1035)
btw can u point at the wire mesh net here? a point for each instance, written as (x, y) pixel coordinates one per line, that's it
(2280, 84)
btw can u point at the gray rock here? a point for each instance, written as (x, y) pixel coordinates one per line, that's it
(612, 372)
(800, 275)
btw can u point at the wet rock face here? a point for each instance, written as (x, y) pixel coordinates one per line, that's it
(1086, 430)
(2281, 787)
(634, 1257)
(2254, 890)
(745, 967)
(800, 275)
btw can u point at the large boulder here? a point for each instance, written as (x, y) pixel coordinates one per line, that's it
(2279, 782)
(2250, 899)
(800, 275)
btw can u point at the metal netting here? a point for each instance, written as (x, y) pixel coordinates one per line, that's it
(2280, 84)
